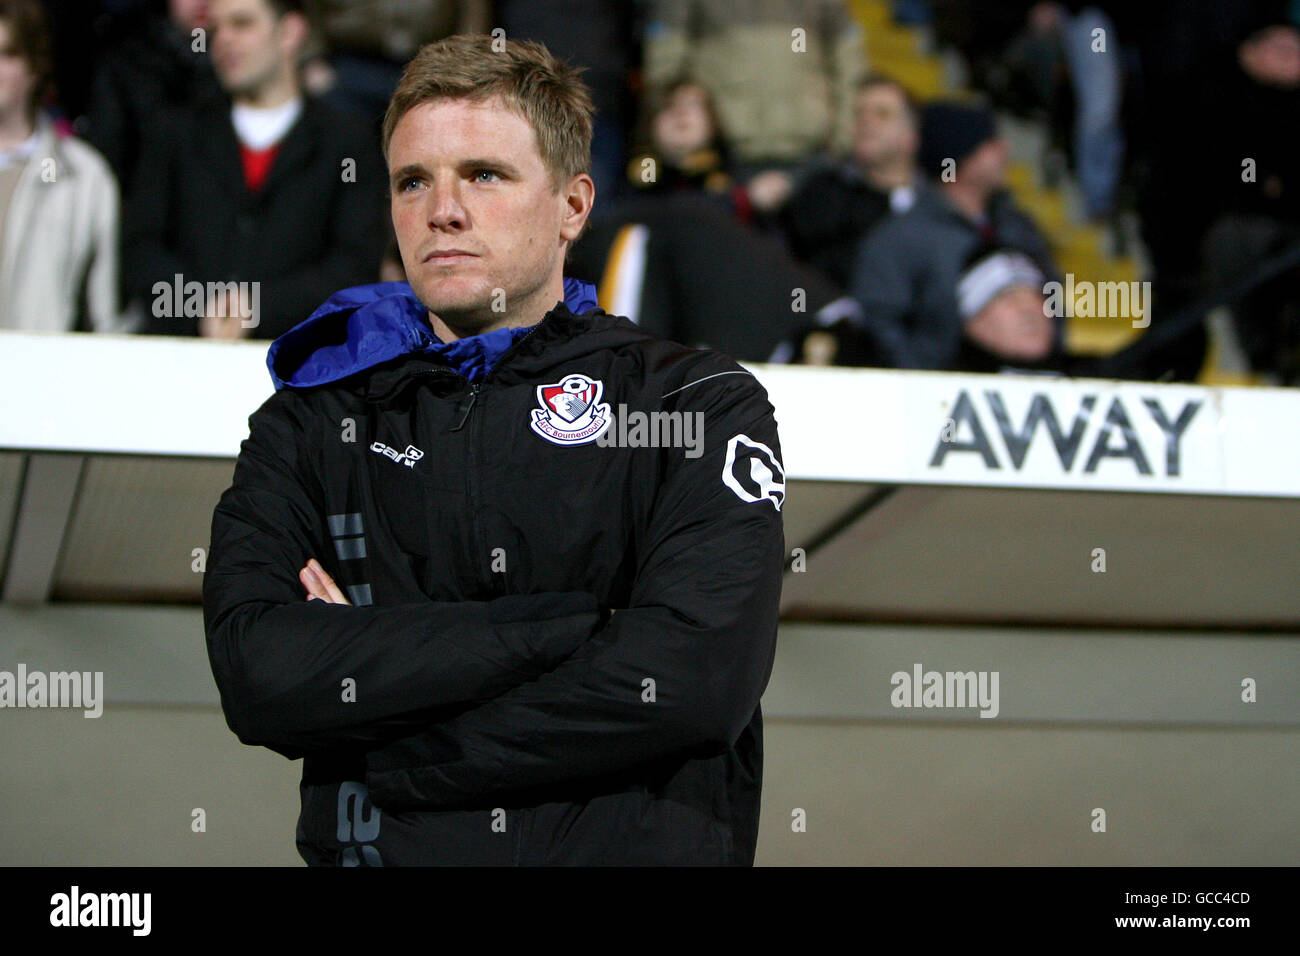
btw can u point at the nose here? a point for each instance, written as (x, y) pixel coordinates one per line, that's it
(445, 210)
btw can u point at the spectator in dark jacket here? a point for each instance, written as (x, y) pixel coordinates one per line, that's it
(906, 271)
(1255, 164)
(270, 201)
(835, 206)
(683, 268)
(150, 71)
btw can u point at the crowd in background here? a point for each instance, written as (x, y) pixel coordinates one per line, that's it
(759, 189)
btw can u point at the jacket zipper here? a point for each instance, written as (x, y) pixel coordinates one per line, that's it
(466, 406)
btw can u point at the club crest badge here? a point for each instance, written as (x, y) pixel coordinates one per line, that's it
(571, 412)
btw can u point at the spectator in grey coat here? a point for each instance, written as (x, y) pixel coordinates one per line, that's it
(906, 270)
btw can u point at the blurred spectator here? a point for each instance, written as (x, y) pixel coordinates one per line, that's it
(1085, 34)
(273, 190)
(148, 72)
(1187, 54)
(1004, 321)
(682, 151)
(603, 39)
(58, 199)
(1256, 147)
(357, 53)
(906, 271)
(980, 31)
(782, 75)
(835, 206)
(683, 268)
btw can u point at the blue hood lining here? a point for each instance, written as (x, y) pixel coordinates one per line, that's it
(366, 325)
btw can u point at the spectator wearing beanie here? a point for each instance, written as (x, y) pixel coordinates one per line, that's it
(906, 270)
(1005, 325)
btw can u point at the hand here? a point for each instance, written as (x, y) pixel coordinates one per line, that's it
(318, 76)
(223, 327)
(769, 190)
(320, 585)
(224, 317)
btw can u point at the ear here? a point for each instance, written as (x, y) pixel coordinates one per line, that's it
(294, 30)
(579, 197)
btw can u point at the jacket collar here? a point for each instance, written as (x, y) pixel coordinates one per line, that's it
(363, 327)
(49, 145)
(220, 146)
(931, 201)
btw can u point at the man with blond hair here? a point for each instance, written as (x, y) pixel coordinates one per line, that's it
(534, 631)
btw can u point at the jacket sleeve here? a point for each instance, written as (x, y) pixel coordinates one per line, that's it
(299, 676)
(678, 673)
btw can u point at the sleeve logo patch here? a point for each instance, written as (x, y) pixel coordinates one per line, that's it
(752, 472)
(571, 413)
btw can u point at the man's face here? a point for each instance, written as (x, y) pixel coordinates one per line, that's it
(249, 45)
(467, 178)
(882, 131)
(986, 167)
(16, 78)
(1014, 325)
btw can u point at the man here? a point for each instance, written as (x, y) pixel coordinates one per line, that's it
(529, 636)
(835, 207)
(58, 200)
(271, 201)
(906, 270)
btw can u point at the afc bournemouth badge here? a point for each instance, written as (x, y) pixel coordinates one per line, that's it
(571, 413)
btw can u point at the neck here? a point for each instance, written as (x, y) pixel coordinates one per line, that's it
(971, 201)
(450, 327)
(15, 126)
(889, 174)
(280, 90)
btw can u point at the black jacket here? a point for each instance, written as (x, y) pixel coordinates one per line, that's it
(147, 75)
(315, 224)
(478, 703)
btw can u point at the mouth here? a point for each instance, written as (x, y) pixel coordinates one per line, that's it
(446, 257)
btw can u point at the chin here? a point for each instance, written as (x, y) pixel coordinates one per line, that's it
(452, 295)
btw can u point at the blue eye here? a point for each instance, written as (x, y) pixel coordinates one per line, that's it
(488, 172)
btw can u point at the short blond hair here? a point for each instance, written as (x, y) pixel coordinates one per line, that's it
(546, 91)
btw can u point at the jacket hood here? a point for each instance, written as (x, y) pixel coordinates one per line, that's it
(367, 325)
